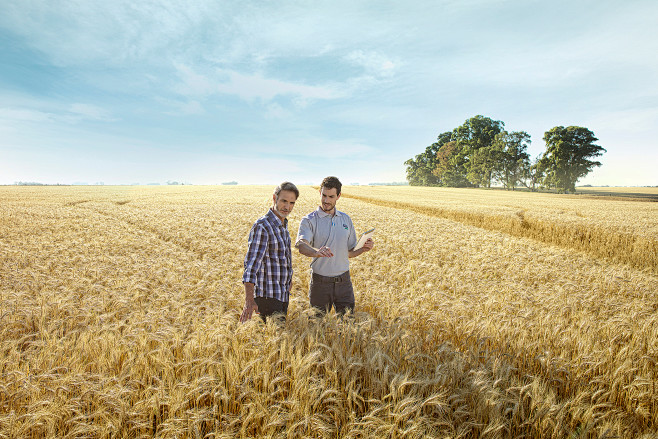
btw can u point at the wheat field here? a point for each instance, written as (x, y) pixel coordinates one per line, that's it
(479, 314)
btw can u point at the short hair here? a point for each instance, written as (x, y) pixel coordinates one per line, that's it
(332, 183)
(286, 186)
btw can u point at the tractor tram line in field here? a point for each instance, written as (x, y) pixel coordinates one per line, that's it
(128, 220)
(638, 251)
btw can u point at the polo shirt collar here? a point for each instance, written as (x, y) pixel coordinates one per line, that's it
(324, 214)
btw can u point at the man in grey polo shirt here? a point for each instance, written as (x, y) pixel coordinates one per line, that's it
(328, 236)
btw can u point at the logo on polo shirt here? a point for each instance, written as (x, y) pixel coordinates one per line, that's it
(345, 226)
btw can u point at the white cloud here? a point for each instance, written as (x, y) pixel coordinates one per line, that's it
(249, 87)
(76, 32)
(14, 115)
(192, 107)
(256, 86)
(74, 114)
(90, 112)
(193, 84)
(373, 62)
(276, 111)
(180, 107)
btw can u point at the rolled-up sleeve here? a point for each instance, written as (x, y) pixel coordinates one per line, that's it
(257, 247)
(305, 231)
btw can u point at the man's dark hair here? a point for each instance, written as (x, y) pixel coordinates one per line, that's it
(286, 186)
(332, 183)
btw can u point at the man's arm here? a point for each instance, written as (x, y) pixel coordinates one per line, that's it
(352, 241)
(304, 239)
(258, 240)
(305, 248)
(369, 244)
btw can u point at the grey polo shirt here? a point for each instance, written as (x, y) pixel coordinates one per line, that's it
(334, 231)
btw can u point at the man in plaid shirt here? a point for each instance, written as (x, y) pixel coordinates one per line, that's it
(268, 264)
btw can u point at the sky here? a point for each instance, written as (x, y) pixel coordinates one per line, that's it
(259, 92)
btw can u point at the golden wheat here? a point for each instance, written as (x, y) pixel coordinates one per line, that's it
(119, 309)
(621, 231)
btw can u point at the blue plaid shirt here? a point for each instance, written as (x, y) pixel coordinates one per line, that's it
(268, 264)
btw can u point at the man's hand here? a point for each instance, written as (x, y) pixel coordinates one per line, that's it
(250, 307)
(305, 248)
(367, 246)
(324, 252)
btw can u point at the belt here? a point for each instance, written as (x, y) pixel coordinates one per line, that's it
(345, 277)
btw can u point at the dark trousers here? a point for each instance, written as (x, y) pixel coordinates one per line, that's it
(327, 292)
(268, 307)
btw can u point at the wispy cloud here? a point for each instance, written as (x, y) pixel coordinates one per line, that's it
(256, 86)
(74, 114)
(80, 112)
(276, 111)
(14, 115)
(249, 87)
(113, 33)
(193, 84)
(373, 62)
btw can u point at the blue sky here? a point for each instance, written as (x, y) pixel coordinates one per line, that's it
(205, 92)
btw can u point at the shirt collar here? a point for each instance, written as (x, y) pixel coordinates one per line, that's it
(324, 214)
(271, 216)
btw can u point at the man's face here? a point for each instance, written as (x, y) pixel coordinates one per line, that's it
(284, 203)
(329, 198)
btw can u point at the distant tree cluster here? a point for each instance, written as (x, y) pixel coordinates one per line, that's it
(481, 152)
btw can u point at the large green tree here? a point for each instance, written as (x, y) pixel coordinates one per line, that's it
(420, 169)
(475, 138)
(450, 168)
(511, 158)
(481, 166)
(533, 175)
(568, 156)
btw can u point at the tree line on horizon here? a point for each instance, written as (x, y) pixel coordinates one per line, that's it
(480, 152)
